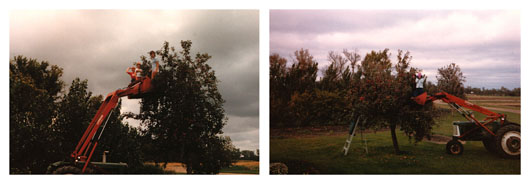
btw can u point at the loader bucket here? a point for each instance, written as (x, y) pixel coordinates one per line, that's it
(141, 88)
(420, 99)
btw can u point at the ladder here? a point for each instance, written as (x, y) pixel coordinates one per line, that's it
(353, 127)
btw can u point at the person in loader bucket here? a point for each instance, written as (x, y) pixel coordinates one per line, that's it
(420, 79)
(135, 73)
(154, 64)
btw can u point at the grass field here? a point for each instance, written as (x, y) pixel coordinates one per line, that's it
(242, 167)
(322, 154)
(508, 102)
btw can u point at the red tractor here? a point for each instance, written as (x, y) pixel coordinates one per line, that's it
(84, 150)
(496, 133)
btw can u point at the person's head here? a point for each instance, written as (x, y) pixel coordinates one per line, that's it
(138, 64)
(419, 75)
(152, 54)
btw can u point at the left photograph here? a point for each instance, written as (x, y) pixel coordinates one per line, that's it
(134, 92)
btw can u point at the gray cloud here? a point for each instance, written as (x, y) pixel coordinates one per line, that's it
(485, 44)
(99, 45)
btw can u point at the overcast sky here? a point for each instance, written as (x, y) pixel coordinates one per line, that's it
(485, 44)
(99, 45)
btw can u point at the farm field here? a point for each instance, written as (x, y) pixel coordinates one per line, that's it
(507, 102)
(240, 167)
(318, 150)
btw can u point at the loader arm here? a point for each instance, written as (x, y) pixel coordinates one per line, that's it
(89, 141)
(457, 104)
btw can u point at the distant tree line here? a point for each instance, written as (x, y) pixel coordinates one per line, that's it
(493, 92)
(245, 155)
(370, 87)
(249, 155)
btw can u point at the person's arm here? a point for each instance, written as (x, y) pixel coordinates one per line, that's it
(131, 71)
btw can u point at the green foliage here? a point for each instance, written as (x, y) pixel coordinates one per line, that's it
(33, 90)
(302, 74)
(279, 96)
(319, 107)
(74, 113)
(285, 82)
(185, 116)
(375, 87)
(45, 126)
(451, 80)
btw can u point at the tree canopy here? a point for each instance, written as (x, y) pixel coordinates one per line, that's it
(185, 116)
(34, 88)
(351, 86)
(451, 80)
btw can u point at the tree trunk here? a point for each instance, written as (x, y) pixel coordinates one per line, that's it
(394, 138)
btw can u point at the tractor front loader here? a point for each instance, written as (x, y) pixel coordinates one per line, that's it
(80, 158)
(496, 133)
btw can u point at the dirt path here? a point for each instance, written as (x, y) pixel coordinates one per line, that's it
(438, 139)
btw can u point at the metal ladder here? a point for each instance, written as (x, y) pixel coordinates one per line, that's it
(353, 127)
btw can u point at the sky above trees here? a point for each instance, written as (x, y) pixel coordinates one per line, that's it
(485, 44)
(99, 45)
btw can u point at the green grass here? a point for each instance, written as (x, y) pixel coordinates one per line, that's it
(239, 170)
(322, 154)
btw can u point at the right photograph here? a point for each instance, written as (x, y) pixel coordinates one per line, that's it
(395, 92)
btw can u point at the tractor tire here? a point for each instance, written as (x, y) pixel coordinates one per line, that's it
(489, 144)
(508, 141)
(454, 147)
(67, 170)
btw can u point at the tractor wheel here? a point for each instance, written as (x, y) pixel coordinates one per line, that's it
(489, 144)
(508, 141)
(454, 147)
(67, 170)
